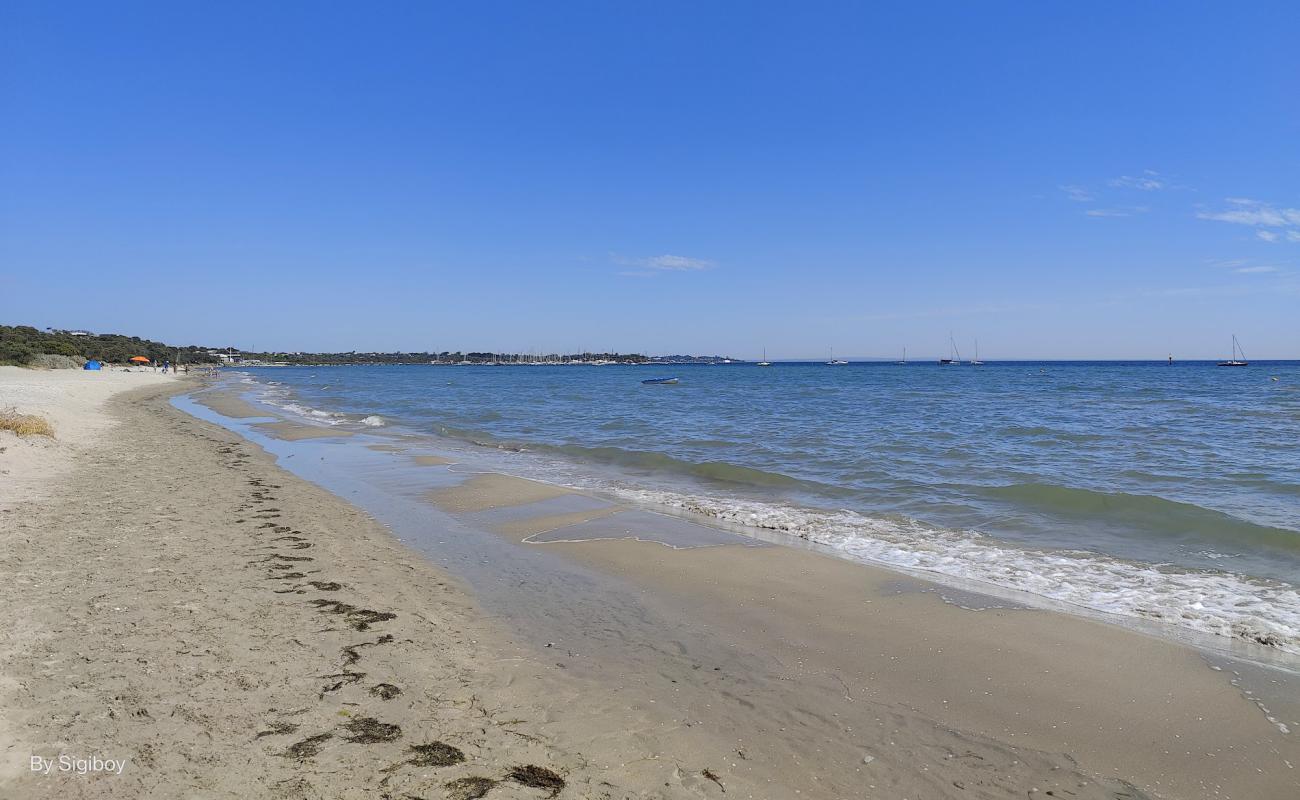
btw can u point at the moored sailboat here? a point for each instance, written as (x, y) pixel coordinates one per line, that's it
(954, 357)
(1235, 361)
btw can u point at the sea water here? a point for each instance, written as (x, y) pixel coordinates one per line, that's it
(1167, 493)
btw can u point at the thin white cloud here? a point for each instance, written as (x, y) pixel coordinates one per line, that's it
(1116, 212)
(1261, 270)
(664, 263)
(1260, 215)
(1078, 194)
(1148, 181)
(678, 263)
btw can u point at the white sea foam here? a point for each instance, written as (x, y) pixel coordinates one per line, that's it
(274, 393)
(314, 414)
(1220, 603)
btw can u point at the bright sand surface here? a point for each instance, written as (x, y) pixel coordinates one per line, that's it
(70, 399)
(181, 602)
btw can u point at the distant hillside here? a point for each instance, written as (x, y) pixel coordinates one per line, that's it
(19, 344)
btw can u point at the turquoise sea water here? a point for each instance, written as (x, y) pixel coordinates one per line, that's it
(1169, 492)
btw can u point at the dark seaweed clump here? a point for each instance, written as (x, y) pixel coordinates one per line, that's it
(368, 730)
(385, 691)
(308, 748)
(537, 777)
(359, 618)
(472, 788)
(434, 754)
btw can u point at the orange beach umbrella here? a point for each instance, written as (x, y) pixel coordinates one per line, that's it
(140, 359)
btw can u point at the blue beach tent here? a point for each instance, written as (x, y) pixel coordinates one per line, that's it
(92, 364)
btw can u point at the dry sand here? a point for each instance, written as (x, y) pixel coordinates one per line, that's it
(68, 398)
(180, 602)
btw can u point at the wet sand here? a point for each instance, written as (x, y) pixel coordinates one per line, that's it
(488, 491)
(296, 431)
(228, 403)
(431, 461)
(861, 660)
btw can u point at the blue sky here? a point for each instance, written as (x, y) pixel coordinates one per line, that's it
(1084, 180)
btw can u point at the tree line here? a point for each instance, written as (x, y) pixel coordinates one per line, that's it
(20, 344)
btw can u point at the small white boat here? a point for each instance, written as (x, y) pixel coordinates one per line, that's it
(975, 362)
(659, 381)
(835, 362)
(765, 362)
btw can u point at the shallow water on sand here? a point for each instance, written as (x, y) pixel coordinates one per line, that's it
(1156, 492)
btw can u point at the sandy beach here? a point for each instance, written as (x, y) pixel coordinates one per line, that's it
(186, 608)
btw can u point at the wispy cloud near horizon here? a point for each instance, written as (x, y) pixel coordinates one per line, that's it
(1271, 223)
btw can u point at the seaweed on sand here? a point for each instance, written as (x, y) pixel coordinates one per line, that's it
(278, 729)
(385, 691)
(471, 788)
(368, 730)
(307, 748)
(434, 754)
(359, 618)
(362, 617)
(537, 777)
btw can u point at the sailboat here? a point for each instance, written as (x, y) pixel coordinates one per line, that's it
(765, 362)
(1236, 351)
(835, 362)
(975, 362)
(902, 360)
(953, 356)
